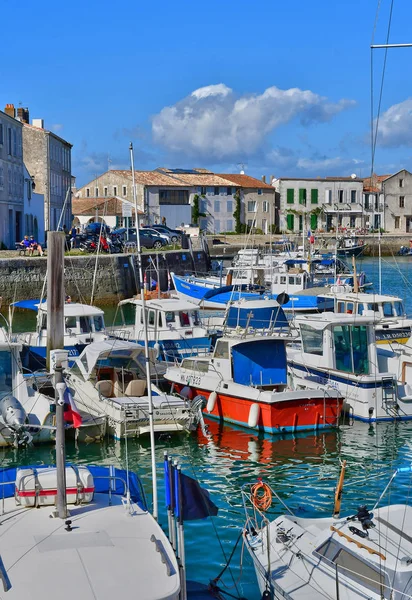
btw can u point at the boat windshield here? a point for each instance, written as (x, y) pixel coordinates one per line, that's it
(351, 349)
(6, 373)
(312, 340)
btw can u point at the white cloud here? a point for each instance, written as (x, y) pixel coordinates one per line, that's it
(326, 164)
(57, 127)
(213, 123)
(395, 125)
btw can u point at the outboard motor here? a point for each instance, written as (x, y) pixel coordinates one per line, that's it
(15, 418)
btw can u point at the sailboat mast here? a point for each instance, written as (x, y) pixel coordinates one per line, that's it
(55, 341)
(146, 341)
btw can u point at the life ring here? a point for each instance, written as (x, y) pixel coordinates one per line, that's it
(261, 495)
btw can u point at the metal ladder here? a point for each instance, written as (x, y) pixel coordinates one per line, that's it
(389, 402)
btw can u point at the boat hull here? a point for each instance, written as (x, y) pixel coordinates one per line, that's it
(301, 414)
(34, 357)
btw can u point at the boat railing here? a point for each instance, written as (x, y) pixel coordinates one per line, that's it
(257, 498)
(120, 334)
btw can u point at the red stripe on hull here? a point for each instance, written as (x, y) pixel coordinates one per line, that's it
(303, 414)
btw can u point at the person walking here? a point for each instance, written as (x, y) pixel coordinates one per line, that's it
(73, 234)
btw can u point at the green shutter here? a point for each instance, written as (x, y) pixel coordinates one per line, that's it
(302, 196)
(290, 196)
(314, 196)
(300, 222)
(314, 220)
(290, 222)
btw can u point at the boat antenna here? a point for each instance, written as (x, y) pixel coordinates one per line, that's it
(146, 341)
(55, 341)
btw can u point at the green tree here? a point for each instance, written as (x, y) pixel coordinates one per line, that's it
(237, 214)
(195, 210)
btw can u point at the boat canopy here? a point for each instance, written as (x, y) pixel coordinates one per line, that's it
(71, 309)
(28, 304)
(105, 349)
(260, 362)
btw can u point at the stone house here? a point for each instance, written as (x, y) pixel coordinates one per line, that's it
(48, 160)
(11, 178)
(107, 210)
(258, 201)
(319, 204)
(397, 194)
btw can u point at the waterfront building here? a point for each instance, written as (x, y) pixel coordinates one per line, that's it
(33, 209)
(258, 201)
(319, 204)
(47, 158)
(374, 202)
(110, 211)
(397, 191)
(11, 179)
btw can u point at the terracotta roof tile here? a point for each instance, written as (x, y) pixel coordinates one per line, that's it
(246, 181)
(109, 206)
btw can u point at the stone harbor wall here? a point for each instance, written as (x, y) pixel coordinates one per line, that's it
(116, 275)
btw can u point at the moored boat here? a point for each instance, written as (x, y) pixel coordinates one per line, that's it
(245, 382)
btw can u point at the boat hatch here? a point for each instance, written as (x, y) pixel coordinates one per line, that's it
(351, 348)
(351, 566)
(260, 363)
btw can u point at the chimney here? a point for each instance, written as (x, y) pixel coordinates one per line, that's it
(272, 178)
(23, 114)
(38, 123)
(264, 178)
(9, 110)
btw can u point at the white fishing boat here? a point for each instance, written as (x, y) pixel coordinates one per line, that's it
(109, 379)
(362, 556)
(340, 351)
(174, 328)
(83, 324)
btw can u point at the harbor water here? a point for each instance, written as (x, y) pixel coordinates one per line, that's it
(303, 469)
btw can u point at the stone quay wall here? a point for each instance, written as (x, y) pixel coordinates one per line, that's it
(116, 275)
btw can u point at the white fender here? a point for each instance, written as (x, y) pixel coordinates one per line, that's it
(253, 415)
(211, 402)
(187, 392)
(156, 348)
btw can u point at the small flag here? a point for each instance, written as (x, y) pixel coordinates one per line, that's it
(309, 234)
(71, 412)
(193, 502)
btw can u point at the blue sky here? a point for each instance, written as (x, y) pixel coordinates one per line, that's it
(283, 87)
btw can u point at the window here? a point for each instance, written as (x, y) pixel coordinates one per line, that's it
(85, 325)
(265, 206)
(216, 190)
(251, 206)
(300, 222)
(170, 317)
(151, 318)
(290, 196)
(196, 318)
(401, 201)
(302, 196)
(351, 349)
(184, 319)
(105, 192)
(217, 206)
(217, 226)
(400, 311)
(70, 323)
(397, 222)
(174, 197)
(352, 221)
(2, 175)
(203, 191)
(229, 191)
(328, 196)
(229, 206)
(1, 134)
(124, 190)
(115, 190)
(313, 196)
(312, 340)
(160, 320)
(290, 222)
(96, 192)
(229, 225)
(340, 196)
(9, 144)
(353, 196)
(401, 183)
(260, 191)
(222, 350)
(388, 309)
(98, 323)
(250, 222)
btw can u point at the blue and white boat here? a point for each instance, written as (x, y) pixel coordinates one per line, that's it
(83, 324)
(174, 328)
(340, 351)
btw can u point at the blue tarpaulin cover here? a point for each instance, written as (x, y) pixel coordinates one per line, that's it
(260, 363)
(101, 486)
(260, 318)
(29, 304)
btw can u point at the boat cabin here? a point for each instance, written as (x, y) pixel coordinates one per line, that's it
(377, 305)
(166, 318)
(257, 361)
(340, 342)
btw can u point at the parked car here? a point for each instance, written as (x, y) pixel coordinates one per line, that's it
(147, 239)
(156, 232)
(174, 234)
(95, 228)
